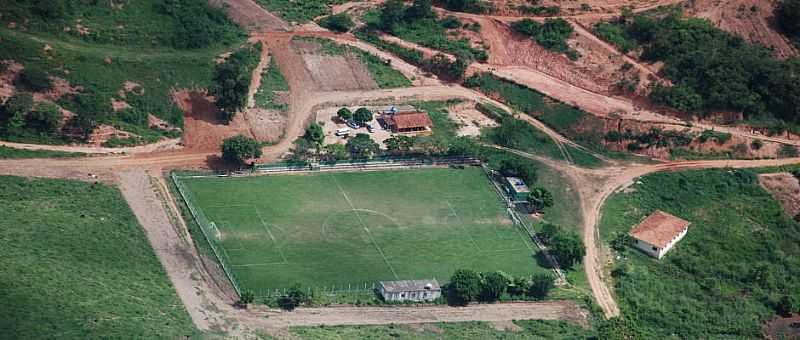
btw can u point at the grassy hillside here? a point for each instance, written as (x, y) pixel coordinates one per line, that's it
(299, 12)
(152, 47)
(11, 153)
(737, 265)
(76, 265)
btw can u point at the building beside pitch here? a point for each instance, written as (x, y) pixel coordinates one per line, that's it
(410, 290)
(658, 233)
(517, 189)
(405, 120)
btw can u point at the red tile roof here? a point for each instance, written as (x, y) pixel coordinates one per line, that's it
(411, 120)
(659, 228)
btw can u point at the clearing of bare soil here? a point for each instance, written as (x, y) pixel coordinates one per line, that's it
(750, 19)
(203, 129)
(783, 328)
(333, 72)
(251, 16)
(266, 125)
(785, 188)
(7, 78)
(469, 119)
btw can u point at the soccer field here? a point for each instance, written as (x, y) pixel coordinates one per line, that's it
(325, 229)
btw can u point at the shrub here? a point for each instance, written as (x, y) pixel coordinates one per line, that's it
(552, 35)
(341, 22)
(133, 116)
(238, 149)
(294, 297)
(362, 115)
(362, 146)
(787, 150)
(35, 79)
(787, 15)
(464, 286)
(493, 285)
(540, 286)
(19, 103)
(567, 248)
(450, 22)
(92, 109)
(344, 114)
(682, 98)
(197, 24)
(470, 6)
(45, 118)
(756, 144)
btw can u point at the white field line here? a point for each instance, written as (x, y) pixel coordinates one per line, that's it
(463, 228)
(378, 248)
(274, 241)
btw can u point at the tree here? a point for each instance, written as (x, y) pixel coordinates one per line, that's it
(540, 286)
(314, 134)
(621, 241)
(392, 13)
(302, 151)
(93, 108)
(513, 166)
(19, 103)
(341, 22)
(45, 118)
(519, 286)
(540, 198)
(238, 149)
(34, 79)
(549, 232)
(333, 153)
(420, 9)
(618, 328)
(682, 98)
(362, 115)
(232, 80)
(787, 305)
(50, 9)
(464, 286)
(400, 144)
(344, 114)
(787, 15)
(247, 297)
(294, 297)
(493, 285)
(567, 248)
(362, 146)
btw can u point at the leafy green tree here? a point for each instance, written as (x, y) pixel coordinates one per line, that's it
(567, 248)
(493, 285)
(344, 114)
(464, 286)
(362, 146)
(19, 103)
(93, 108)
(247, 297)
(513, 166)
(238, 149)
(519, 286)
(232, 81)
(392, 13)
(362, 115)
(540, 286)
(621, 241)
(787, 15)
(45, 117)
(334, 152)
(420, 9)
(682, 98)
(540, 198)
(618, 328)
(50, 9)
(34, 79)
(302, 151)
(341, 22)
(787, 305)
(549, 232)
(294, 298)
(552, 35)
(314, 134)
(399, 144)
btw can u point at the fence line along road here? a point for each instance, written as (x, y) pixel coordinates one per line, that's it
(379, 164)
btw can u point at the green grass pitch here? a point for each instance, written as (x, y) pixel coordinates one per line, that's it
(353, 227)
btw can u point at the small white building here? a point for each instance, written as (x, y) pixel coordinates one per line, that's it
(410, 290)
(658, 233)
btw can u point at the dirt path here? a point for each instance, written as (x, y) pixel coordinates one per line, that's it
(549, 310)
(170, 144)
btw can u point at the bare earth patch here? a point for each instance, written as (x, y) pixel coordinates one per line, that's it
(785, 188)
(203, 130)
(331, 73)
(783, 328)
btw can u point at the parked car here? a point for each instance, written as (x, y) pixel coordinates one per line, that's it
(370, 129)
(343, 132)
(353, 124)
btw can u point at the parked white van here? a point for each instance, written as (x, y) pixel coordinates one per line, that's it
(343, 132)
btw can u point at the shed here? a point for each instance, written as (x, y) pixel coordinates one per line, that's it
(517, 189)
(658, 233)
(410, 290)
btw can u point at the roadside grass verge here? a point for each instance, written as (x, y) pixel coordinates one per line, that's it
(299, 12)
(77, 265)
(530, 329)
(13, 153)
(382, 72)
(272, 80)
(730, 273)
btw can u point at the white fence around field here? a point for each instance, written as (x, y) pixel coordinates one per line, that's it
(379, 164)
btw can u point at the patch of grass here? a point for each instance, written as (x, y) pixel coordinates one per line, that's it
(299, 12)
(383, 73)
(728, 275)
(531, 329)
(158, 71)
(272, 80)
(615, 33)
(431, 33)
(77, 265)
(12, 153)
(426, 223)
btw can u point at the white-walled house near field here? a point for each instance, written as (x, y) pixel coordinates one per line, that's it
(410, 290)
(658, 233)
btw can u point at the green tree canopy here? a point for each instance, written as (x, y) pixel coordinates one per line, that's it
(787, 15)
(362, 115)
(341, 22)
(45, 117)
(493, 285)
(344, 114)
(464, 286)
(314, 134)
(567, 248)
(294, 297)
(238, 149)
(540, 198)
(540, 286)
(34, 79)
(392, 13)
(362, 146)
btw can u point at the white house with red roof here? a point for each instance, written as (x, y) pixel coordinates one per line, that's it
(658, 233)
